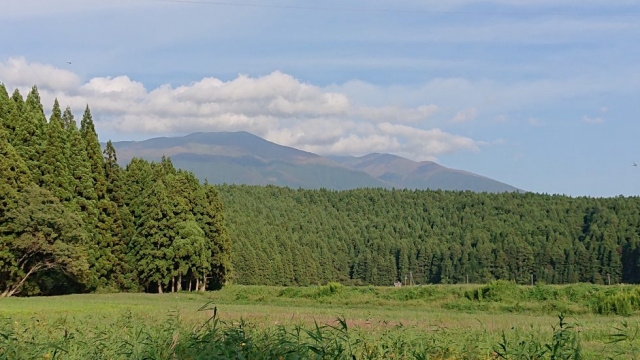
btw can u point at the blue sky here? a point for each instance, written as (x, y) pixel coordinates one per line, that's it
(543, 95)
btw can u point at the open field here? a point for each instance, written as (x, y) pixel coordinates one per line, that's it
(444, 321)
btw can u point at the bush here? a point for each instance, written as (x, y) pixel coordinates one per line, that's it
(618, 302)
(330, 289)
(499, 290)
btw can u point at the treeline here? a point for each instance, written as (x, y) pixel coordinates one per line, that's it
(72, 220)
(282, 236)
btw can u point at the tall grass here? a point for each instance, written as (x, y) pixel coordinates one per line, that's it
(129, 337)
(491, 321)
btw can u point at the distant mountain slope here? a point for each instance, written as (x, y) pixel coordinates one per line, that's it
(243, 158)
(405, 173)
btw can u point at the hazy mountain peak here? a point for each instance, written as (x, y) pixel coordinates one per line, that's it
(244, 158)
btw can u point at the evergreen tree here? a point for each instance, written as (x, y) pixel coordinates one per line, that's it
(94, 152)
(29, 136)
(85, 194)
(54, 163)
(14, 175)
(210, 217)
(5, 103)
(18, 100)
(39, 234)
(9, 118)
(152, 246)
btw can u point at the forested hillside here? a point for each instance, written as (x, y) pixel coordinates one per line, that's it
(375, 236)
(72, 220)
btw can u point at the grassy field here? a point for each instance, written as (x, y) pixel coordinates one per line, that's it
(332, 321)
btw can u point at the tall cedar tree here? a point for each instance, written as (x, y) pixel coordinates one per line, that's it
(30, 132)
(94, 152)
(85, 194)
(14, 174)
(5, 106)
(121, 225)
(13, 116)
(18, 100)
(210, 217)
(151, 247)
(107, 251)
(114, 223)
(54, 163)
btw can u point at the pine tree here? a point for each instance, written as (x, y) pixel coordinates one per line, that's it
(10, 118)
(94, 152)
(85, 194)
(14, 178)
(54, 163)
(30, 131)
(18, 100)
(5, 103)
(113, 175)
(151, 247)
(191, 254)
(210, 217)
(121, 222)
(14, 174)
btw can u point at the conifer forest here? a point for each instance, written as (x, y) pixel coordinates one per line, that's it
(72, 220)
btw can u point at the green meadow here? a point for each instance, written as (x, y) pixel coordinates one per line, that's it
(498, 320)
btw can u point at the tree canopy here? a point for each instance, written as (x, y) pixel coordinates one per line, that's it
(69, 221)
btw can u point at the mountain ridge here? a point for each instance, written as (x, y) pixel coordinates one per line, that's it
(244, 158)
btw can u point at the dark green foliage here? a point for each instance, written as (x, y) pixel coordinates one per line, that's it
(54, 163)
(72, 220)
(377, 236)
(41, 235)
(152, 244)
(84, 191)
(14, 175)
(181, 240)
(94, 152)
(210, 217)
(29, 137)
(5, 105)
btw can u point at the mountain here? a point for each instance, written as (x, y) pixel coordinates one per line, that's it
(405, 173)
(243, 158)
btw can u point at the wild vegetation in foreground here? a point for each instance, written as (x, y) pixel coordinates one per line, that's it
(324, 322)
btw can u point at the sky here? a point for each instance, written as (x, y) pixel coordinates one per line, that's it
(542, 95)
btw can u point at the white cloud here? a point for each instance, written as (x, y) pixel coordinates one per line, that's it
(590, 120)
(604, 109)
(491, 96)
(465, 115)
(396, 113)
(19, 73)
(276, 106)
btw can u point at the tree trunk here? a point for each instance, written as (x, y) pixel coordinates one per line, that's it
(159, 287)
(179, 285)
(14, 289)
(189, 284)
(197, 284)
(173, 284)
(203, 286)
